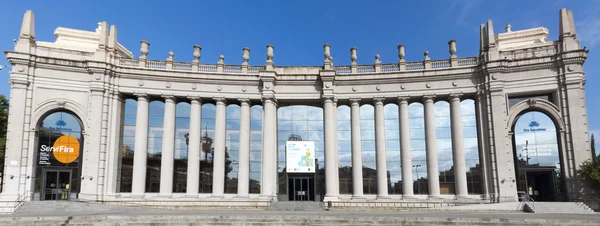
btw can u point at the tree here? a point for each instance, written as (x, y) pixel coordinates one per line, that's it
(594, 147)
(590, 173)
(3, 125)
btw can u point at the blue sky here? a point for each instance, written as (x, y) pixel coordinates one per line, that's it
(298, 29)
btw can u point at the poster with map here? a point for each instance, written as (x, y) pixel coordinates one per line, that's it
(300, 156)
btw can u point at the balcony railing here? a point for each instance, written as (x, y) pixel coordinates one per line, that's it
(254, 70)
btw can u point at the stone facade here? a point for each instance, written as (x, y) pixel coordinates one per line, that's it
(89, 74)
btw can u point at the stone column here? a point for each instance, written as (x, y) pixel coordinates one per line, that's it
(269, 154)
(405, 154)
(331, 171)
(458, 152)
(382, 188)
(219, 152)
(244, 159)
(168, 147)
(432, 158)
(357, 178)
(140, 147)
(194, 144)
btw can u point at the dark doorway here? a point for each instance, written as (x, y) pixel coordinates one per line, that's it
(56, 184)
(541, 185)
(301, 188)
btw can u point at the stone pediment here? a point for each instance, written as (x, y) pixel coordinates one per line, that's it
(511, 40)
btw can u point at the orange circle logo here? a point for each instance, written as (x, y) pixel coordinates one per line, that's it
(66, 149)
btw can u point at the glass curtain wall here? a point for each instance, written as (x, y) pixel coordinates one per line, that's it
(155, 136)
(345, 149)
(367, 131)
(392, 146)
(182, 130)
(417, 145)
(232, 148)
(126, 151)
(256, 115)
(207, 148)
(471, 146)
(444, 147)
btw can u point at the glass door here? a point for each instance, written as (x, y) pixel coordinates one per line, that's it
(301, 189)
(57, 184)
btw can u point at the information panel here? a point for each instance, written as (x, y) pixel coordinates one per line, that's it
(300, 156)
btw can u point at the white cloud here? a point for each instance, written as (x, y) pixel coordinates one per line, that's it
(461, 9)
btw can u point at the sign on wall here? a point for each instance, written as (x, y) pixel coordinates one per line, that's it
(300, 156)
(65, 150)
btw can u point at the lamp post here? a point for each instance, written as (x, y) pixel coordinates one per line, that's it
(417, 170)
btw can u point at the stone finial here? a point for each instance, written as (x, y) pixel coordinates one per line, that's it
(377, 61)
(171, 55)
(28, 26)
(327, 53)
(426, 53)
(571, 22)
(197, 50)
(144, 49)
(452, 48)
(221, 59)
(270, 53)
(401, 52)
(507, 28)
(246, 55)
(112, 37)
(353, 55)
(567, 23)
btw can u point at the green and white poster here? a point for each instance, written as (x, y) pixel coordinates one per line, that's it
(300, 156)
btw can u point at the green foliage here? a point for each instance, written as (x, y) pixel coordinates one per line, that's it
(590, 173)
(3, 124)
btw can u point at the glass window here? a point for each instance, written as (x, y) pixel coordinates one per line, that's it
(471, 146)
(444, 147)
(232, 147)
(392, 146)
(417, 145)
(60, 146)
(182, 130)
(126, 151)
(206, 157)
(155, 136)
(256, 114)
(537, 153)
(345, 149)
(301, 123)
(369, 163)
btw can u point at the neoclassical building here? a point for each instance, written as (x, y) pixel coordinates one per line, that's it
(89, 121)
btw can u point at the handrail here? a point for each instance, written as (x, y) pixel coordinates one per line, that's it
(20, 200)
(524, 197)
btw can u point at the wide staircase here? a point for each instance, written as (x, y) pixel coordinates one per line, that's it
(296, 206)
(560, 207)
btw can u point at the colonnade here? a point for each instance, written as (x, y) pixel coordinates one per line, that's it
(269, 147)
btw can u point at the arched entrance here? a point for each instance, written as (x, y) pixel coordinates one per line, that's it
(58, 156)
(537, 156)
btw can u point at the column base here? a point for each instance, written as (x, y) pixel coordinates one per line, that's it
(165, 195)
(220, 196)
(190, 196)
(359, 197)
(383, 197)
(243, 196)
(137, 196)
(272, 198)
(330, 198)
(434, 197)
(409, 197)
(462, 198)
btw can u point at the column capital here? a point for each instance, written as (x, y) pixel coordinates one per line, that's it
(378, 100)
(244, 101)
(402, 99)
(142, 96)
(169, 98)
(220, 100)
(270, 100)
(198, 98)
(427, 98)
(328, 99)
(354, 101)
(455, 96)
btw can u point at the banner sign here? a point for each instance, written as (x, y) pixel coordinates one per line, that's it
(300, 156)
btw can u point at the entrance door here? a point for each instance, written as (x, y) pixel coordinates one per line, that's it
(56, 185)
(301, 189)
(541, 185)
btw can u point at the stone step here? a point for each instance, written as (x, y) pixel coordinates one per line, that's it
(560, 207)
(296, 206)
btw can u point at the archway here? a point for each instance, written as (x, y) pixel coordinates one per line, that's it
(537, 156)
(59, 140)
